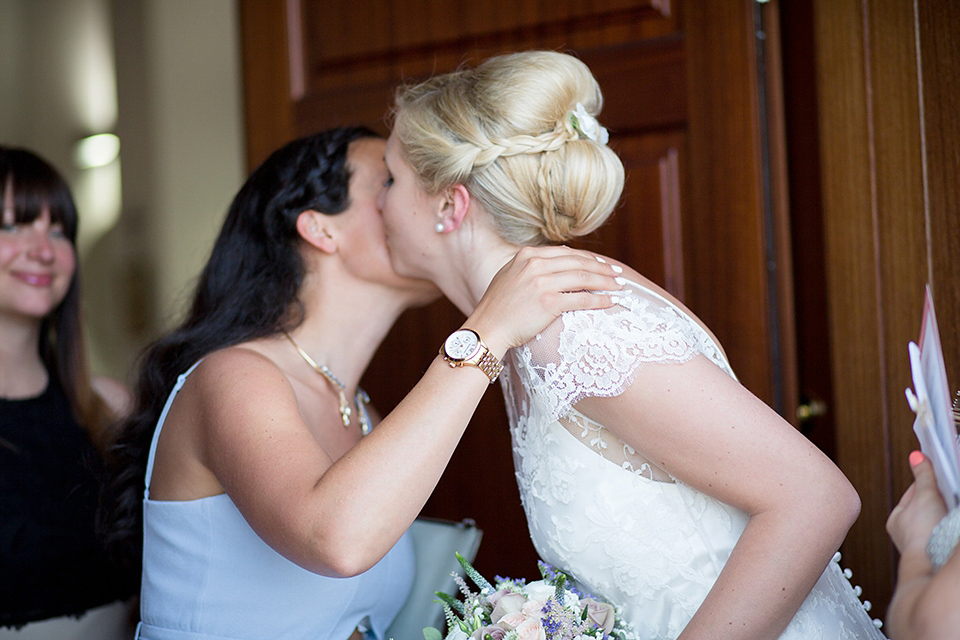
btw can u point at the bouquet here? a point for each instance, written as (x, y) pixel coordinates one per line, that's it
(548, 609)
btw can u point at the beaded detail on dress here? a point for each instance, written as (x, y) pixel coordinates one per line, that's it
(599, 509)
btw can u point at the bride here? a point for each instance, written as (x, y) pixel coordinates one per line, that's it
(646, 470)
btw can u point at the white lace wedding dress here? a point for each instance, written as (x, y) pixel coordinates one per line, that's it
(624, 529)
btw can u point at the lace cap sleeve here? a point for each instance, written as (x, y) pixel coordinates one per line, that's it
(597, 353)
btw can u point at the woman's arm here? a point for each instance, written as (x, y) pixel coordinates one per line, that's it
(709, 432)
(924, 605)
(340, 517)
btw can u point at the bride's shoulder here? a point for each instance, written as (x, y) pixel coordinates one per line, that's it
(638, 287)
(647, 324)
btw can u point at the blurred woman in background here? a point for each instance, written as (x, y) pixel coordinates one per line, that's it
(53, 415)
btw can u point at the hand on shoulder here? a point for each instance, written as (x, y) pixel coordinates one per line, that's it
(535, 287)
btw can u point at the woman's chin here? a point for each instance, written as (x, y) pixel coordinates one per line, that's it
(422, 292)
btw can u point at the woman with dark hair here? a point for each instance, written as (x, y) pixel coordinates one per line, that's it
(263, 507)
(53, 414)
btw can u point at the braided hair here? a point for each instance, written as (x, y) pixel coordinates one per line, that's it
(504, 130)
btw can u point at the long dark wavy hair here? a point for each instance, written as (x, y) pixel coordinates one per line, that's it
(247, 290)
(34, 185)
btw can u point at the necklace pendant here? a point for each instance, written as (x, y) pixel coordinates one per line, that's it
(345, 412)
(344, 409)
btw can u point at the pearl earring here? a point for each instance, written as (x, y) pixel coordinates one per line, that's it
(439, 227)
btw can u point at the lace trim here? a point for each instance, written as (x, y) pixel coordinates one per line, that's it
(597, 353)
(606, 444)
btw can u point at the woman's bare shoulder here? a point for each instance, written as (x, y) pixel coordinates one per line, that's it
(243, 371)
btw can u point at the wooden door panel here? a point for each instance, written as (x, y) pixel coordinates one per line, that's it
(346, 42)
(644, 89)
(645, 230)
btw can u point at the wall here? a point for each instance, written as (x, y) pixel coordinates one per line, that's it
(164, 75)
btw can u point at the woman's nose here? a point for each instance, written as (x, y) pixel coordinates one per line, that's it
(381, 197)
(39, 245)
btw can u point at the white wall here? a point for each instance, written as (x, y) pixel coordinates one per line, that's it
(10, 68)
(165, 76)
(197, 130)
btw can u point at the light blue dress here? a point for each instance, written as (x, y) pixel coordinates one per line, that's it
(208, 575)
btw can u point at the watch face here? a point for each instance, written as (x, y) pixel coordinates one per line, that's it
(462, 344)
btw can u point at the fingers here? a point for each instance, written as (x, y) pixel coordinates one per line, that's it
(535, 287)
(902, 505)
(576, 270)
(576, 280)
(922, 472)
(919, 509)
(553, 259)
(579, 300)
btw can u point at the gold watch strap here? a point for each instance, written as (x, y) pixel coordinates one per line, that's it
(489, 364)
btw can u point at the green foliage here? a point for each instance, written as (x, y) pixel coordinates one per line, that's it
(473, 574)
(432, 634)
(449, 601)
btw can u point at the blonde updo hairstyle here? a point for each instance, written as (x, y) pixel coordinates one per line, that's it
(504, 131)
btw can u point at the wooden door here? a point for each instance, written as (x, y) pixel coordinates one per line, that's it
(685, 110)
(885, 80)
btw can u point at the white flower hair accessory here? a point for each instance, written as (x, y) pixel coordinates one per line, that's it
(587, 126)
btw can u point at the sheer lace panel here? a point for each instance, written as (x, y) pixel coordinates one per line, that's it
(597, 353)
(604, 442)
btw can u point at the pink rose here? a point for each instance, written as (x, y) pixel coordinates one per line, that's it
(496, 632)
(508, 603)
(512, 620)
(527, 627)
(531, 629)
(599, 613)
(534, 607)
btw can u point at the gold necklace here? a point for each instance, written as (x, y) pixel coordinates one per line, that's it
(361, 397)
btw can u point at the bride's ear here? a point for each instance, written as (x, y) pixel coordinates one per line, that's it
(314, 228)
(454, 207)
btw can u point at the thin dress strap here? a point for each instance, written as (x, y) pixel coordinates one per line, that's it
(156, 432)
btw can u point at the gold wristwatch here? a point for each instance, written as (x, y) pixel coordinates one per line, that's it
(464, 347)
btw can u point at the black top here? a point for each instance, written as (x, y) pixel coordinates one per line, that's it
(51, 563)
